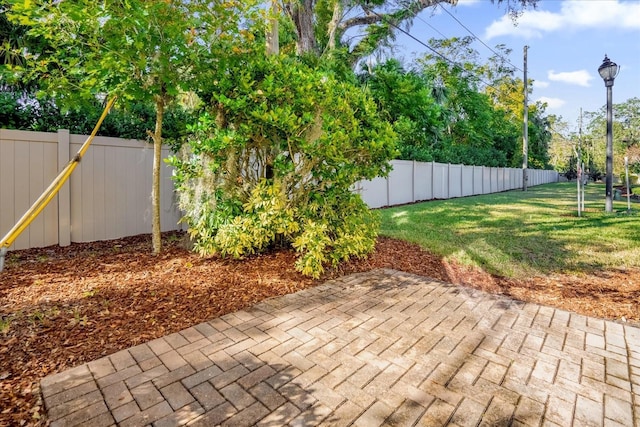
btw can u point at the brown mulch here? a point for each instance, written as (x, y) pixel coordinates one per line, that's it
(61, 307)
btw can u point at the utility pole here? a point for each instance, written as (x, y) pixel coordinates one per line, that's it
(525, 126)
(579, 170)
(273, 40)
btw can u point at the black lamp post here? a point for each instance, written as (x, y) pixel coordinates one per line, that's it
(609, 71)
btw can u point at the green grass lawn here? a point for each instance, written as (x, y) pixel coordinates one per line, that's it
(518, 234)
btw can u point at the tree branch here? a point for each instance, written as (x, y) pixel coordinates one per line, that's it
(360, 20)
(373, 18)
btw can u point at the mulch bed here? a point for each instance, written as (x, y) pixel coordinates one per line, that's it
(61, 307)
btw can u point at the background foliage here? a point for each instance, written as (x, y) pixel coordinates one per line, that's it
(132, 121)
(459, 111)
(592, 140)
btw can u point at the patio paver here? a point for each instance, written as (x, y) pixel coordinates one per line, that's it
(383, 348)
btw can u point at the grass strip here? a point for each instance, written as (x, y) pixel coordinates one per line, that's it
(518, 234)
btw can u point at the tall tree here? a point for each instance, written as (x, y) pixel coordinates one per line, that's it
(324, 25)
(143, 51)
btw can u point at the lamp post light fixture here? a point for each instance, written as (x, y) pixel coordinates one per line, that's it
(609, 71)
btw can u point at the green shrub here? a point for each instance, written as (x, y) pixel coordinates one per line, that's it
(273, 159)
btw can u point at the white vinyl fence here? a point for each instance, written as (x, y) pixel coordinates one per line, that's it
(108, 195)
(411, 181)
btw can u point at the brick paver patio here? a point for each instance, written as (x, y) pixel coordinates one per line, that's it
(383, 348)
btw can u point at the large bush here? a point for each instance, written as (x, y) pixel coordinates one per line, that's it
(273, 160)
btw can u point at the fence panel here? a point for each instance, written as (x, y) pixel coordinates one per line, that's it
(28, 164)
(423, 190)
(494, 180)
(477, 180)
(374, 192)
(455, 181)
(440, 181)
(486, 180)
(467, 180)
(401, 179)
(108, 195)
(112, 190)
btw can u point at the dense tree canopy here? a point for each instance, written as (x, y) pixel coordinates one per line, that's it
(404, 99)
(458, 111)
(626, 135)
(591, 142)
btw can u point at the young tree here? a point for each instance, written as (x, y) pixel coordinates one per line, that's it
(142, 51)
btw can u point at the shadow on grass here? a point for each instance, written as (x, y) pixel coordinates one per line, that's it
(517, 233)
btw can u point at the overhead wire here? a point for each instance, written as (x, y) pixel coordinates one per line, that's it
(479, 39)
(450, 61)
(430, 26)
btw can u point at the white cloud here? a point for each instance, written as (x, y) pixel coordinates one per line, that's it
(468, 2)
(552, 103)
(530, 25)
(540, 84)
(580, 77)
(573, 14)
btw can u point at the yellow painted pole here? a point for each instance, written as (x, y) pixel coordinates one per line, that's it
(51, 191)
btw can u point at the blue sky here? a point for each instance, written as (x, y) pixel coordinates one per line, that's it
(567, 42)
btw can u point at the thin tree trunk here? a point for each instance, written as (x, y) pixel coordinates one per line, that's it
(333, 24)
(273, 41)
(155, 192)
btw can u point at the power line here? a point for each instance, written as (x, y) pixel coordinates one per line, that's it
(444, 36)
(479, 39)
(431, 26)
(450, 61)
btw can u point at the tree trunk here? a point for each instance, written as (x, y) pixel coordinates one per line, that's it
(273, 41)
(302, 13)
(155, 192)
(333, 24)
